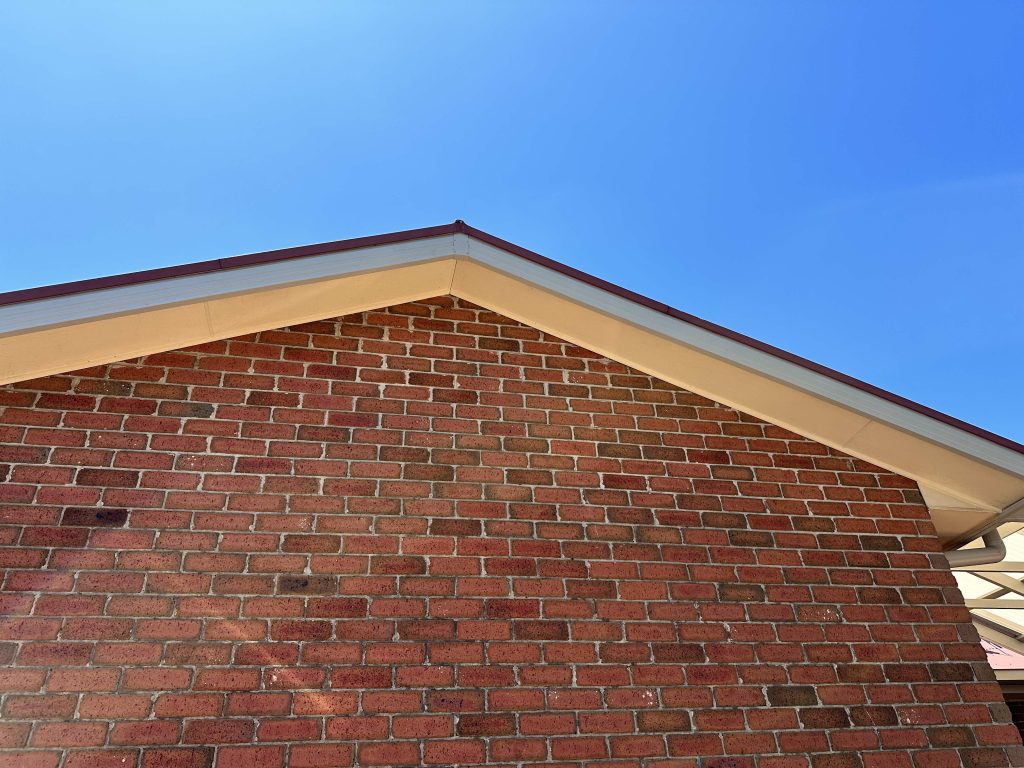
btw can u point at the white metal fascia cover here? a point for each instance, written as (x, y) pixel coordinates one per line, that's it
(967, 475)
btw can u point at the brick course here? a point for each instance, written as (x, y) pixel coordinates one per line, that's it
(431, 535)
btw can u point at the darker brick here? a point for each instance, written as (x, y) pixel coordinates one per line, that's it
(879, 595)
(274, 399)
(101, 517)
(837, 760)
(541, 630)
(881, 543)
(486, 725)
(663, 721)
(678, 653)
(455, 395)
(740, 593)
(957, 736)
(591, 588)
(341, 372)
(792, 695)
(512, 609)
(617, 451)
(306, 585)
(195, 757)
(824, 717)
(426, 629)
(951, 673)
(724, 520)
(873, 717)
(186, 410)
(108, 478)
(859, 673)
(337, 608)
(105, 387)
(454, 527)
(732, 473)
(397, 564)
(300, 630)
(324, 434)
(760, 539)
(529, 477)
(726, 762)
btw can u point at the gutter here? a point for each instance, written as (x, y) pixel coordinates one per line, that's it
(995, 549)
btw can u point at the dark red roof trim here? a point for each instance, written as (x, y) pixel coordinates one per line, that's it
(214, 265)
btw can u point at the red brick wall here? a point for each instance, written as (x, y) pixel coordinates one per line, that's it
(432, 535)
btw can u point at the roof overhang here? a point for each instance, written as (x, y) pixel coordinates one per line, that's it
(966, 474)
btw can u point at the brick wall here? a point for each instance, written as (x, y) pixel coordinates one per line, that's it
(431, 535)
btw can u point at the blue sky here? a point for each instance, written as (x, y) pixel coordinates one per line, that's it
(842, 179)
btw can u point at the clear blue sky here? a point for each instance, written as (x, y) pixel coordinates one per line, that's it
(842, 179)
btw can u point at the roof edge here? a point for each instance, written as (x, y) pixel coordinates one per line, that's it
(459, 226)
(216, 265)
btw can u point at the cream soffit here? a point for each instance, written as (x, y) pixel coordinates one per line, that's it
(966, 479)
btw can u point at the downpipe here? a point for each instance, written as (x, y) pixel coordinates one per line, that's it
(995, 549)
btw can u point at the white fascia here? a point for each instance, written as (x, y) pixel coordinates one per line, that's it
(60, 310)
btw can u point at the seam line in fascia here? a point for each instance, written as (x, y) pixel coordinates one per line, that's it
(451, 281)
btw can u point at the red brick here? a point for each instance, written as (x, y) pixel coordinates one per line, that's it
(455, 751)
(547, 724)
(13, 735)
(82, 680)
(189, 757)
(487, 725)
(401, 753)
(425, 726)
(291, 729)
(320, 755)
(68, 735)
(18, 759)
(359, 727)
(431, 535)
(218, 731)
(579, 748)
(39, 707)
(227, 679)
(145, 732)
(325, 702)
(392, 701)
(106, 758)
(247, 757)
(188, 704)
(258, 704)
(113, 706)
